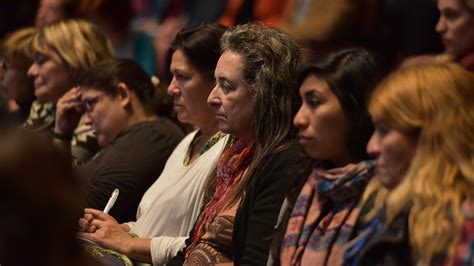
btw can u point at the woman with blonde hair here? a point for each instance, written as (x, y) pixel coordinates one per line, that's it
(62, 51)
(422, 209)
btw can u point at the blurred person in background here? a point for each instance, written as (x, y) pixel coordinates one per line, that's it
(62, 51)
(40, 202)
(14, 81)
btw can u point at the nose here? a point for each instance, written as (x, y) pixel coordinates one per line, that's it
(441, 25)
(373, 146)
(213, 99)
(33, 70)
(87, 118)
(301, 121)
(173, 90)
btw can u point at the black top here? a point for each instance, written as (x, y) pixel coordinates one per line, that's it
(254, 225)
(131, 163)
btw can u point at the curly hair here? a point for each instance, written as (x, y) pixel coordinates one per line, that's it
(271, 59)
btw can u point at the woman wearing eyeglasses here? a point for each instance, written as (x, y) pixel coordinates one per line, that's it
(115, 97)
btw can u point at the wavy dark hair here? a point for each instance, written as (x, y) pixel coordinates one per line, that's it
(201, 46)
(106, 75)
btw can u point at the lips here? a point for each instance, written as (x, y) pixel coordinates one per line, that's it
(303, 140)
(219, 116)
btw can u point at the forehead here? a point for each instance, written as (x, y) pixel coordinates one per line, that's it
(313, 83)
(230, 64)
(452, 4)
(88, 92)
(179, 61)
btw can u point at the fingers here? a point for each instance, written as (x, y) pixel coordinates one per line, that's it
(86, 226)
(96, 214)
(70, 98)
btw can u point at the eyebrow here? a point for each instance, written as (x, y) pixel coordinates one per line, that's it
(311, 92)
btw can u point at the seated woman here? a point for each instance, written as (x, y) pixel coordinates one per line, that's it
(334, 128)
(17, 58)
(424, 144)
(62, 51)
(171, 205)
(254, 101)
(456, 28)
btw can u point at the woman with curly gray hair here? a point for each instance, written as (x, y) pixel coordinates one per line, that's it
(254, 102)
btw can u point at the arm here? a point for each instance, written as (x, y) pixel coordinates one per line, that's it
(68, 113)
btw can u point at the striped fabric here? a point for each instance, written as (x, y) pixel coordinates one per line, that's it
(324, 214)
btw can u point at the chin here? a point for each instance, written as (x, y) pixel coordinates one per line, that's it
(103, 142)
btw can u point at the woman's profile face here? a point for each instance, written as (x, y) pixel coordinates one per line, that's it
(51, 77)
(190, 89)
(231, 99)
(323, 126)
(456, 27)
(17, 84)
(394, 150)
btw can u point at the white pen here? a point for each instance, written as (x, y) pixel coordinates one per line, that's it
(111, 201)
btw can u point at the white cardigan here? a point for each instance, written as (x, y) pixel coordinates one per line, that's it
(172, 204)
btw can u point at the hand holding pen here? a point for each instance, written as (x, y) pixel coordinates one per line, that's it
(85, 223)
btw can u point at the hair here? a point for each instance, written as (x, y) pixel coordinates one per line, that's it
(469, 4)
(38, 185)
(201, 46)
(433, 101)
(271, 59)
(17, 46)
(351, 75)
(79, 43)
(106, 75)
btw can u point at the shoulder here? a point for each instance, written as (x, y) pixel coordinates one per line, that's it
(155, 130)
(283, 161)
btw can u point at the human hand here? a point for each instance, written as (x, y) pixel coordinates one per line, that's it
(68, 112)
(104, 230)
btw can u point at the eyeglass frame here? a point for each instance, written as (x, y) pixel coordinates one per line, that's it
(90, 103)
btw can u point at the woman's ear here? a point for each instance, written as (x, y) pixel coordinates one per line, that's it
(123, 94)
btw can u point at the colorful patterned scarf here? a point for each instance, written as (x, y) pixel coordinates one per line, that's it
(324, 215)
(230, 170)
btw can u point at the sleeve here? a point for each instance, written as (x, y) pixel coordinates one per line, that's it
(164, 248)
(130, 225)
(257, 230)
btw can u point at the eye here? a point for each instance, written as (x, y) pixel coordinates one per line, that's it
(382, 131)
(40, 58)
(312, 100)
(181, 77)
(450, 14)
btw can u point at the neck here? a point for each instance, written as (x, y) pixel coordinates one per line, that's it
(208, 129)
(248, 139)
(138, 115)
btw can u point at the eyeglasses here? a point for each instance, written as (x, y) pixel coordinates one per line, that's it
(90, 103)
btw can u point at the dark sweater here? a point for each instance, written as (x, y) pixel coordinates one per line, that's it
(131, 163)
(254, 225)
